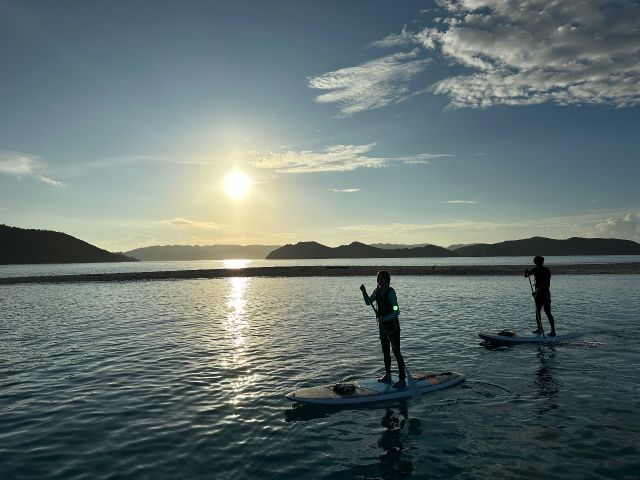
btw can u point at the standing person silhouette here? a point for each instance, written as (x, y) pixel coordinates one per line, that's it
(387, 314)
(542, 294)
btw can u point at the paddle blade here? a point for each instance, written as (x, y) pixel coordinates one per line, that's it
(413, 387)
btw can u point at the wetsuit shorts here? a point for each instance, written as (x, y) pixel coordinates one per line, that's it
(543, 298)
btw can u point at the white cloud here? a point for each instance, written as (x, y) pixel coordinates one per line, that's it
(346, 190)
(459, 202)
(374, 84)
(183, 222)
(336, 158)
(21, 165)
(512, 53)
(627, 227)
(524, 53)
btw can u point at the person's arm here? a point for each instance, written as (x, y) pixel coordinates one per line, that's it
(395, 310)
(367, 299)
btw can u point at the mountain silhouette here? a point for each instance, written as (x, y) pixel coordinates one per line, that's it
(19, 245)
(548, 246)
(310, 250)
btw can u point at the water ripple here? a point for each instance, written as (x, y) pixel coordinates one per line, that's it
(187, 380)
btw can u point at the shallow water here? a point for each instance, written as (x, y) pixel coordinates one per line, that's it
(129, 267)
(186, 379)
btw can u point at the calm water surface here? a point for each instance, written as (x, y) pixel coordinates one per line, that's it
(186, 379)
(115, 267)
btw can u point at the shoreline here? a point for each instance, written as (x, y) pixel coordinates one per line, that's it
(328, 271)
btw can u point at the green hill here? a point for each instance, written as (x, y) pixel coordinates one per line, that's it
(19, 245)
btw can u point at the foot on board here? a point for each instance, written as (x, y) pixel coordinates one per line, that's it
(386, 378)
(400, 384)
(537, 331)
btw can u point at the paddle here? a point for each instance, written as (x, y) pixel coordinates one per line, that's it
(538, 316)
(413, 386)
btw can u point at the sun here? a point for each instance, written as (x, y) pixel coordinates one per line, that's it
(237, 184)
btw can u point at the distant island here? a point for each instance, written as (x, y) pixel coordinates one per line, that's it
(525, 247)
(309, 250)
(548, 246)
(19, 245)
(200, 252)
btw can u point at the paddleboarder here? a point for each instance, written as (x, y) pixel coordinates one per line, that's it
(542, 295)
(387, 314)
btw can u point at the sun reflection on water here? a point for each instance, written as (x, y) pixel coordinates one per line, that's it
(237, 332)
(235, 263)
(236, 324)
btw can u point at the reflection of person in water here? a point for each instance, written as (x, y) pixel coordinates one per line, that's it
(394, 463)
(547, 386)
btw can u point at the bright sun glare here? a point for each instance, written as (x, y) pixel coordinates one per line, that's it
(237, 184)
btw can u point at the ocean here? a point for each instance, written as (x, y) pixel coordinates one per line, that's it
(129, 267)
(186, 379)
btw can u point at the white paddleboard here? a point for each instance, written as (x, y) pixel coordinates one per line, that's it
(368, 391)
(532, 338)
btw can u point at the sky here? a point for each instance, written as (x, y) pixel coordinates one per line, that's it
(444, 122)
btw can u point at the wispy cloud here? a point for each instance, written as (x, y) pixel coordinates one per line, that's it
(89, 167)
(115, 161)
(374, 84)
(51, 181)
(336, 158)
(401, 39)
(183, 222)
(22, 165)
(422, 158)
(345, 190)
(420, 227)
(624, 225)
(627, 226)
(512, 53)
(459, 202)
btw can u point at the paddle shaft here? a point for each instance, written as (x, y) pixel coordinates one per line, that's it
(538, 316)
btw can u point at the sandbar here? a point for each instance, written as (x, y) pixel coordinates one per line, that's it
(329, 271)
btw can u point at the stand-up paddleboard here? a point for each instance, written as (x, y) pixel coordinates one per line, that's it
(369, 391)
(511, 338)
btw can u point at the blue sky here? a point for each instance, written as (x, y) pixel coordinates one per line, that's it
(404, 122)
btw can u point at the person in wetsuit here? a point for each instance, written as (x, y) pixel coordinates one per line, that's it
(388, 314)
(542, 294)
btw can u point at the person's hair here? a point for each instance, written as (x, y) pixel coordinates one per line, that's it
(538, 260)
(384, 274)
